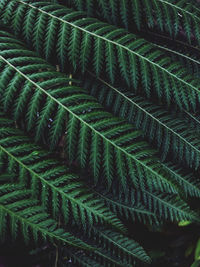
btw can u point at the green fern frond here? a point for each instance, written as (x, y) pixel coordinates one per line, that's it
(161, 76)
(75, 258)
(123, 247)
(168, 131)
(193, 119)
(127, 206)
(73, 121)
(104, 257)
(149, 206)
(169, 15)
(21, 209)
(24, 215)
(187, 180)
(47, 176)
(187, 55)
(124, 115)
(169, 207)
(132, 252)
(166, 206)
(117, 149)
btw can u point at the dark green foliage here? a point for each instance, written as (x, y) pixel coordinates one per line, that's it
(115, 104)
(38, 115)
(115, 147)
(113, 50)
(168, 130)
(68, 194)
(169, 15)
(37, 179)
(21, 213)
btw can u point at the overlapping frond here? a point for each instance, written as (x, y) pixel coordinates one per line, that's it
(115, 52)
(162, 203)
(169, 131)
(193, 119)
(169, 15)
(119, 249)
(122, 95)
(25, 216)
(188, 55)
(128, 206)
(121, 246)
(76, 259)
(51, 181)
(17, 154)
(149, 206)
(105, 144)
(54, 84)
(71, 257)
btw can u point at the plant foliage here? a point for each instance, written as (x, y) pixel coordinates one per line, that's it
(99, 123)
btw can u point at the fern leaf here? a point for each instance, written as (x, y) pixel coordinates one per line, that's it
(128, 249)
(84, 111)
(174, 85)
(162, 204)
(170, 16)
(145, 206)
(76, 258)
(187, 55)
(185, 179)
(54, 178)
(169, 131)
(18, 208)
(28, 217)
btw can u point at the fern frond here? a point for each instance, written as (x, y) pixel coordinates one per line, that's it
(47, 176)
(71, 257)
(117, 250)
(148, 206)
(127, 206)
(122, 250)
(166, 205)
(178, 50)
(121, 179)
(168, 131)
(161, 76)
(24, 215)
(193, 119)
(169, 16)
(125, 248)
(76, 258)
(187, 180)
(118, 150)
(21, 209)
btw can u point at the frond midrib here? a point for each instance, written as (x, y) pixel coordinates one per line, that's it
(195, 188)
(120, 246)
(115, 43)
(116, 262)
(177, 53)
(168, 38)
(149, 213)
(79, 203)
(179, 8)
(130, 100)
(41, 229)
(180, 211)
(192, 116)
(88, 125)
